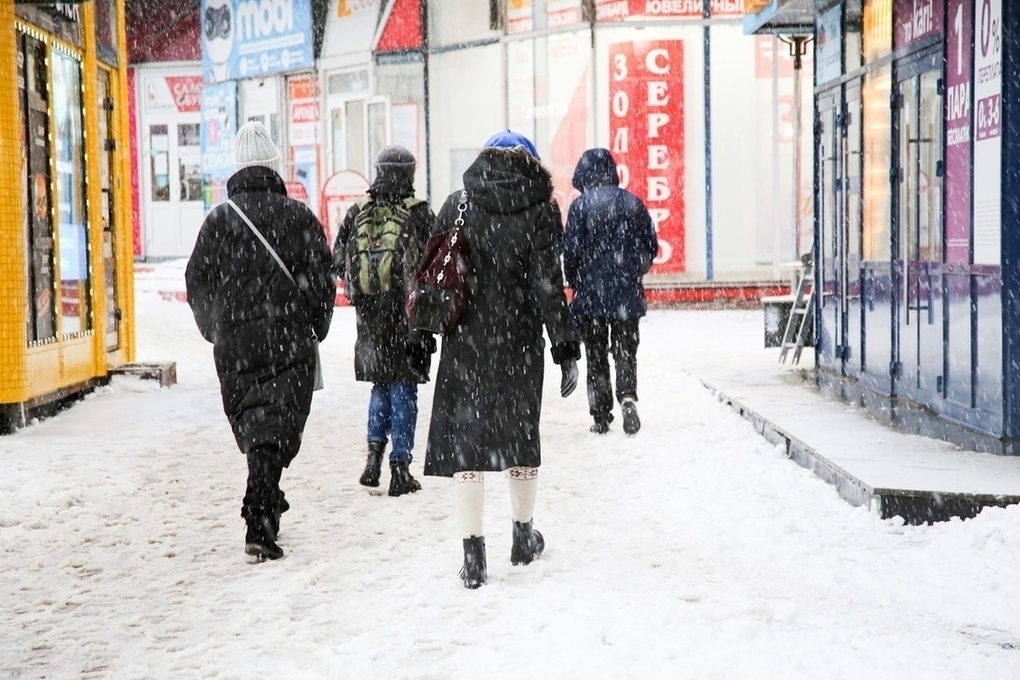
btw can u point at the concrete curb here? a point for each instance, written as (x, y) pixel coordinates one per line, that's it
(915, 506)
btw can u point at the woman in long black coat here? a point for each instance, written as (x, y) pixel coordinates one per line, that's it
(488, 398)
(261, 324)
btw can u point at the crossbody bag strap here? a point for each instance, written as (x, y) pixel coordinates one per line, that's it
(263, 239)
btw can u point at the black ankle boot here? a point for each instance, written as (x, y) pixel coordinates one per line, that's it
(474, 573)
(528, 543)
(260, 539)
(373, 466)
(401, 481)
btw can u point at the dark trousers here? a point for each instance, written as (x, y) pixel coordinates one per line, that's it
(596, 334)
(263, 496)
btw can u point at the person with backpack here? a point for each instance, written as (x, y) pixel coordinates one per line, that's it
(608, 246)
(376, 252)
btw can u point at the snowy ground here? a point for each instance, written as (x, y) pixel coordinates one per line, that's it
(693, 550)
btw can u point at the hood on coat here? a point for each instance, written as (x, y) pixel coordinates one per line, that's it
(255, 178)
(507, 180)
(595, 168)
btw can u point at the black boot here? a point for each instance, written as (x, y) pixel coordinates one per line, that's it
(601, 425)
(631, 422)
(528, 543)
(281, 507)
(260, 539)
(474, 573)
(373, 466)
(401, 481)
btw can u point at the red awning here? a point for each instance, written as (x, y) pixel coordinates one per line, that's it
(402, 30)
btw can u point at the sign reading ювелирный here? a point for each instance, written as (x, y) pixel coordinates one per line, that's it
(254, 38)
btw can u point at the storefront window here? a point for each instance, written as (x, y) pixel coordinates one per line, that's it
(70, 166)
(853, 55)
(878, 32)
(33, 90)
(357, 154)
(189, 160)
(877, 164)
(106, 30)
(376, 130)
(159, 162)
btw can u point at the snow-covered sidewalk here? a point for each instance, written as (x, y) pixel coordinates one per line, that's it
(692, 550)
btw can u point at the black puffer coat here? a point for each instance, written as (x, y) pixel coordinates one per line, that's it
(609, 244)
(488, 399)
(259, 322)
(380, 349)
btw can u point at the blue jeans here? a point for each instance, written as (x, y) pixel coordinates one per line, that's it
(393, 410)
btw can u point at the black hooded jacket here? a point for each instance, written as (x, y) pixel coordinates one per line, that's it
(380, 351)
(488, 398)
(260, 323)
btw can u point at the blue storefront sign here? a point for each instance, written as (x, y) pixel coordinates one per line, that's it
(219, 126)
(254, 38)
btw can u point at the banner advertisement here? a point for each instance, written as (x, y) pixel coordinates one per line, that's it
(958, 130)
(616, 10)
(915, 21)
(988, 132)
(646, 137)
(219, 126)
(519, 18)
(304, 111)
(173, 94)
(563, 13)
(828, 45)
(305, 161)
(254, 38)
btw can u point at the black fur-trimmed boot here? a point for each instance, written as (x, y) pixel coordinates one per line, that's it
(474, 573)
(260, 539)
(401, 481)
(528, 543)
(373, 466)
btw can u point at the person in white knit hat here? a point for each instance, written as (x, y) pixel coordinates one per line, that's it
(254, 146)
(261, 290)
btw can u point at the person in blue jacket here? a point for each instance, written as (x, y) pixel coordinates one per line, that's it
(608, 247)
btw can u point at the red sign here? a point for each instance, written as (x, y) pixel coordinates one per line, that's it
(646, 133)
(305, 112)
(915, 21)
(186, 91)
(614, 10)
(339, 193)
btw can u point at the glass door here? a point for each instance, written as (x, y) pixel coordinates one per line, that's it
(920, 236)
(173, 186)
(831, 268)
(107, 167)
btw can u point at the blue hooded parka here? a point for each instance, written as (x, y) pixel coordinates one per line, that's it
(609, 243)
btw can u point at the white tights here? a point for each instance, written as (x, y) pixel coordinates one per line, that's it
(469, 498)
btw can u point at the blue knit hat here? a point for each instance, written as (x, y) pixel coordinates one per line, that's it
(508, 139)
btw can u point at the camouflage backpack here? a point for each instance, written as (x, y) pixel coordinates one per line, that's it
(380, 258)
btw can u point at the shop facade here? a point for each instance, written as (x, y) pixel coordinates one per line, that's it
(65, 247)
(663, 85)
(916, 312)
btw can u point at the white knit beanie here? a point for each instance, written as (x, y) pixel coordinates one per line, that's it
(254, 146)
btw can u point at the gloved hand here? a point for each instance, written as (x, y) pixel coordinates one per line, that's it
(419, 355)
(568, 381)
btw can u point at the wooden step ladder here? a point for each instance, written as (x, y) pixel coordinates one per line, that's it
(801, 318)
